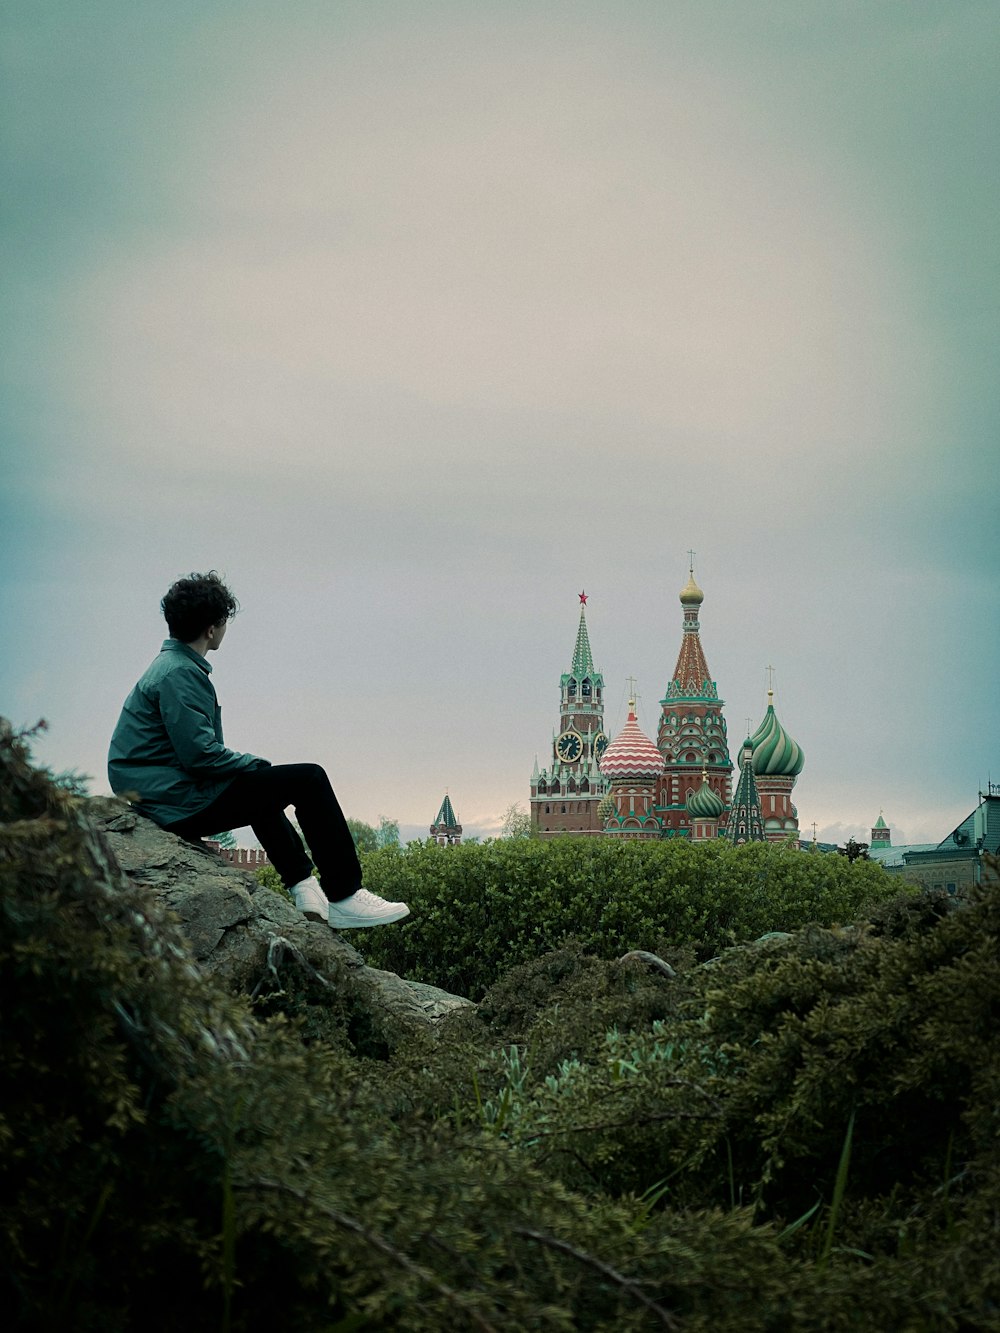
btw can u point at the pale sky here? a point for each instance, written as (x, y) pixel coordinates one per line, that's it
(414, 320)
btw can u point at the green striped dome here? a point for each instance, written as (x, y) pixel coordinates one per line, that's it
(705, 803)
(775, 754)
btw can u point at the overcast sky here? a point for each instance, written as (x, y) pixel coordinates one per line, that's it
(417, 319)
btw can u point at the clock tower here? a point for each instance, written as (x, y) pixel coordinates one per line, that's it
(565, 796)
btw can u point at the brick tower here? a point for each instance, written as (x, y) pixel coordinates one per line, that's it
(565, 796)
(881, 832)
(692, 730)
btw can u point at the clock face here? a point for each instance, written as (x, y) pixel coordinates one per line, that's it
(600, 744)
(569, 746)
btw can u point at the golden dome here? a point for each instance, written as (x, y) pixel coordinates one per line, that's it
(691, 594)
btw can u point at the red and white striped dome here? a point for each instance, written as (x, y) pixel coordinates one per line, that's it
(631, 754)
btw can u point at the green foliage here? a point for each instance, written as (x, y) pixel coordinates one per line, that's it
(387, 833)
(370, 839)
(365, 837)
(516, 822)
(73, 781)
(270, 879)
(843, 1085)
(477, 911)
(801, 1135)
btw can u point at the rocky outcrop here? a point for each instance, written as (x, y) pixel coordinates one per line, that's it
(241, 932)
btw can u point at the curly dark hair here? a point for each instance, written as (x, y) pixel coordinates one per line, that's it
(195, 602)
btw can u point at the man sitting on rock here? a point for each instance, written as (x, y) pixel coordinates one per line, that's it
(168, 757)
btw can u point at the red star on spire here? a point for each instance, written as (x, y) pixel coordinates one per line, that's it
(583, 598)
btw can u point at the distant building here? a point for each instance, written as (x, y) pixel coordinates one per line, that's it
(881, 834)
(446, 829)
(953, 863)
(565, 795)
(679, 786)
(956, 862)
(247, 858)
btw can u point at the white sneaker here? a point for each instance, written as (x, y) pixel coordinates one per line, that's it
(365, 909)
(310, 899)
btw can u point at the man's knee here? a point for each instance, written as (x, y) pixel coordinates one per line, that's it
(307, 777)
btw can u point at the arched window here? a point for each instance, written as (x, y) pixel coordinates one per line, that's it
(571, 688)
(585, 688)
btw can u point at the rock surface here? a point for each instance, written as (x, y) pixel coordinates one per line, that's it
(237, 928)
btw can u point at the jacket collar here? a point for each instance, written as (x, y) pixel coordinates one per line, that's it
(175, 646)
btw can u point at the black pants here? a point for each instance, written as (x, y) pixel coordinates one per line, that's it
(260, 799)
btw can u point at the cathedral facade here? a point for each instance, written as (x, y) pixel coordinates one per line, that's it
(679, 786)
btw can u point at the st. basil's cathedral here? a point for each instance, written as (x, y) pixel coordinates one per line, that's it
(679, 787)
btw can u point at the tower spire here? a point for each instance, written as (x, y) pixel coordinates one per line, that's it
(583, 662)
(746, 823)
(691, 679)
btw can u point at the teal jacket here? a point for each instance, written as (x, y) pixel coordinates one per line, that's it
(167, 752)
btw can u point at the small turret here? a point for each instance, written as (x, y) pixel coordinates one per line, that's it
(446, 830)
(745, 821)
(881, 833)
(705, 803)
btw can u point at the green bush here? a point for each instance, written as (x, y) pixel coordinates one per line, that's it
(602, 1146)
(478, 911)
(871, 1053)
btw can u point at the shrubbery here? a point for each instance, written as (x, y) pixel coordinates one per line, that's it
(477, 911)
(802, 1135)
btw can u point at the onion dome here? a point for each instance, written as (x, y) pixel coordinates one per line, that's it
(691, 594)
(705, 803)
(775, 754)
(631, 754)
(605, 807)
